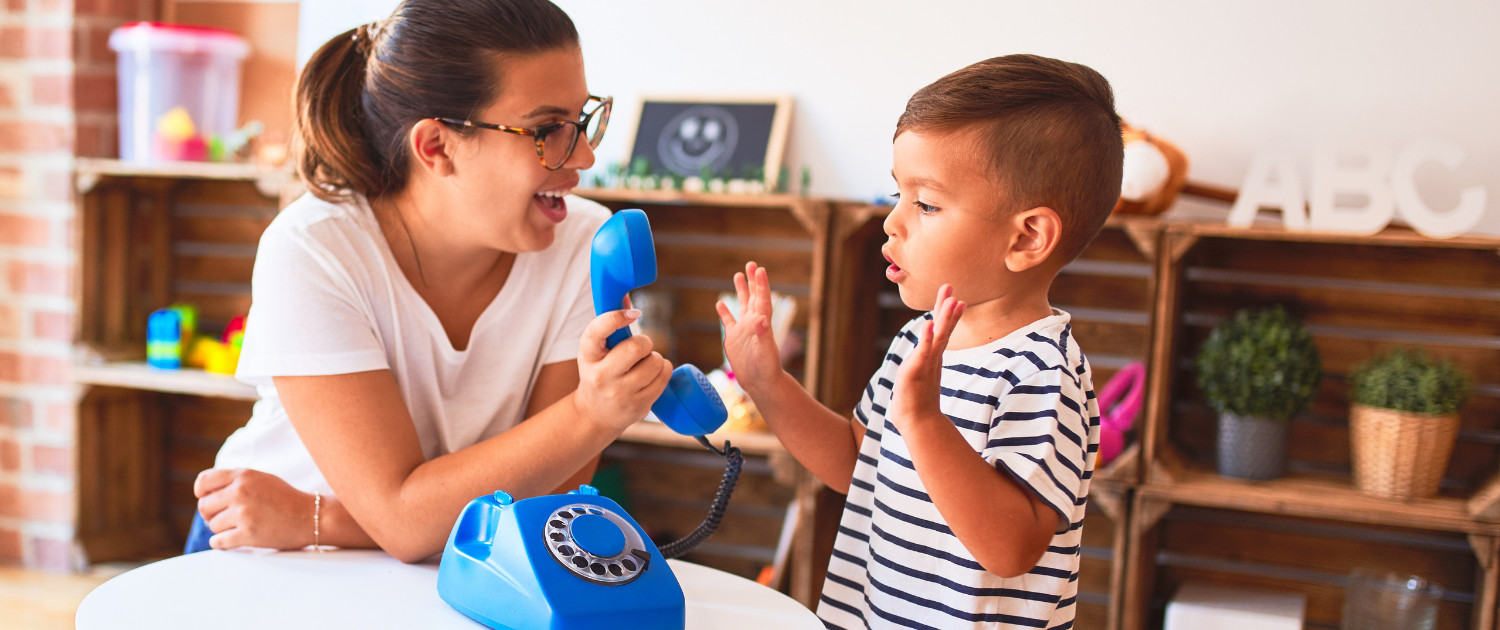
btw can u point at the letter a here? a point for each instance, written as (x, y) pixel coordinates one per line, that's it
(1260, 191)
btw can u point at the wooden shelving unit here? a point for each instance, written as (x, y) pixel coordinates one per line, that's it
(1359, 296)
(151, 235)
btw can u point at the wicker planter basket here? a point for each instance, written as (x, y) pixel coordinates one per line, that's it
(1398, 454)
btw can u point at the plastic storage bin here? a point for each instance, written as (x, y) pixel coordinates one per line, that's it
(179, 89)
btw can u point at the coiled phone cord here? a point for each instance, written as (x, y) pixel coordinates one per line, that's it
(733, 462)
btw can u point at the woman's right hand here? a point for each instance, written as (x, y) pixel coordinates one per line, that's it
(616, 386)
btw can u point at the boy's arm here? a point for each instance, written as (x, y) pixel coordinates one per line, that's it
(823, 441)
(1006, 527)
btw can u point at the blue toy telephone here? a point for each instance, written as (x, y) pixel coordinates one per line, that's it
(576, 560)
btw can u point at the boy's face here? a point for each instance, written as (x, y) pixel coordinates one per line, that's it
(949, 225)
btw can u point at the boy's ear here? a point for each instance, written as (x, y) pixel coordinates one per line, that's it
(1034, 237)
(432, 147)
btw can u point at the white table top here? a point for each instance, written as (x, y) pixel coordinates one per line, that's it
(370, 590)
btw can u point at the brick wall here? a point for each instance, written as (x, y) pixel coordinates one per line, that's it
(57, 100)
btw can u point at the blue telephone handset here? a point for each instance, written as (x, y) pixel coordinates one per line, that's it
(577, 560)
(624, 259)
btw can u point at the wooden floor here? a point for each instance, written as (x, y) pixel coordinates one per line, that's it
(34, 600)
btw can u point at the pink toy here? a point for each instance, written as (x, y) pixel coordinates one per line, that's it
(1128, 387)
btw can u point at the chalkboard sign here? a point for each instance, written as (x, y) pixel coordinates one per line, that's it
(688, 135)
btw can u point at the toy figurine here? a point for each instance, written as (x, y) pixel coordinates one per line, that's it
(164, 339)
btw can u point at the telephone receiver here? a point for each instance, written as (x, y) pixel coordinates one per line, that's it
(577, 560)
(624, 259)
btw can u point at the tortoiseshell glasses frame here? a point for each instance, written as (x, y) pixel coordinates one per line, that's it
(570, 129)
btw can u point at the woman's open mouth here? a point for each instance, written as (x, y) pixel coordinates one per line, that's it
(552, 204)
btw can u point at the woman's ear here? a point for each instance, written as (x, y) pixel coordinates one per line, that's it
(432, 147)
(1035, 236)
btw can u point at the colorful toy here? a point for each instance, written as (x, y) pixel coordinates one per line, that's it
(1127, 388)
(164, 339)
(214, 356)
(177, 138)
(1154, 172)
(169, 333)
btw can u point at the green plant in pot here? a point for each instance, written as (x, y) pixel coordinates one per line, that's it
(1403, 422)
(1258, 369)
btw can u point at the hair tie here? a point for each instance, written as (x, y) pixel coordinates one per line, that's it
(370, 33)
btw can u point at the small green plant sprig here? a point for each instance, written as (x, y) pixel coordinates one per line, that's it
(1260, 363)
(1411, 381)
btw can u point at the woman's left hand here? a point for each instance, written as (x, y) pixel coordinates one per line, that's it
(249, 508)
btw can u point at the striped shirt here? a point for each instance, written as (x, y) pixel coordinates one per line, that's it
(1026, 404)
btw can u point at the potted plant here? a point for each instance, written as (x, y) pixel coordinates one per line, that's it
(1258, 370)
(1403, 422)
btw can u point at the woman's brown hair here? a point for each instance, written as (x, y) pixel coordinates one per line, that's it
(361, 93)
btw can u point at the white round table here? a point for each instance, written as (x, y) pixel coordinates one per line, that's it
(370, 590)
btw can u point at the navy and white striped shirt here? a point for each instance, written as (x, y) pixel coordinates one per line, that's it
(1026, 404)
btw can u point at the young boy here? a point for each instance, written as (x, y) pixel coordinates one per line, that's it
(967, 462)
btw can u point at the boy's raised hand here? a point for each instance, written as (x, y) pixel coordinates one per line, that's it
(748, 343)
(918, 383)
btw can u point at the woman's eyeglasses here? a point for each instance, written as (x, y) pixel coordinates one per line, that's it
(555, 141)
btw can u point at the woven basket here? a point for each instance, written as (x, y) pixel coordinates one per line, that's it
(1398, 454)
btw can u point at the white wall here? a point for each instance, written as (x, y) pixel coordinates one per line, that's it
(1217, 78)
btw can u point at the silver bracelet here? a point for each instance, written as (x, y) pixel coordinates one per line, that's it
(317, 510)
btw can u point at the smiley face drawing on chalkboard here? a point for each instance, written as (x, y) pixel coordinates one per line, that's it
(703, 135)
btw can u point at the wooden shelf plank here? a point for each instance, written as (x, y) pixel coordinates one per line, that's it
(134, 375)
(656, 433)
(1391, 236)
(186, 170)
(270, 182)
(674, 197)
(1313, 498)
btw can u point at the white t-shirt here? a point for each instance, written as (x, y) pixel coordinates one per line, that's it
(330, 299)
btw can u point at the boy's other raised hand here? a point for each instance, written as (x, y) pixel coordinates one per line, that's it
(918, 383)
(748, 342)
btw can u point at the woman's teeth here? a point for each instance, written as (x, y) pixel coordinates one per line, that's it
(553, 198)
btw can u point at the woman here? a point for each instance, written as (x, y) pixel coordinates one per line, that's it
(430, 293)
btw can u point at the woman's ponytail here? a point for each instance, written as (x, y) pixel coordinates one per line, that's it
(329, 145)
(363, 91)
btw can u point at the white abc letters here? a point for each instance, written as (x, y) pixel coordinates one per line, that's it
(1386, 185)
(1414, 210)
(1258, 191)
(1329, 179)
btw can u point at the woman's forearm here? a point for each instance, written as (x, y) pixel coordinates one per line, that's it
(359, 433)
(412, 521)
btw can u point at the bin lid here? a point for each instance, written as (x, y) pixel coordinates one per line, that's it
(179, 38)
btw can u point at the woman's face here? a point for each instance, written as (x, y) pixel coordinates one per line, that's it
(505, 197)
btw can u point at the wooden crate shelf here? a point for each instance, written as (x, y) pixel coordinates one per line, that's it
(1308, 497)
(1359, 295)
(132, 375)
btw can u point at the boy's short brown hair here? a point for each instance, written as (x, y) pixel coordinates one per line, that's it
(1048, 128)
